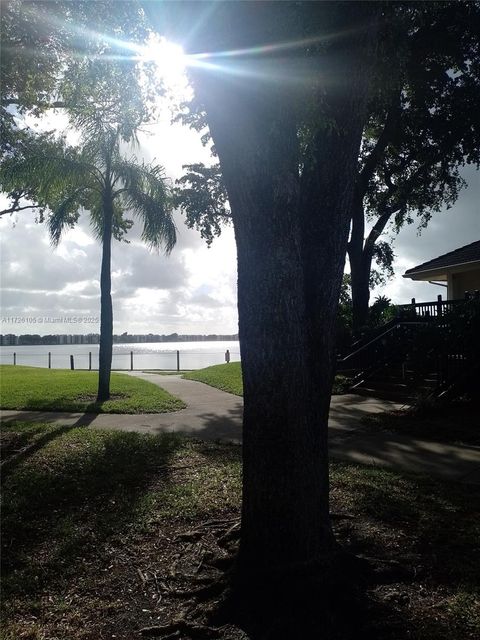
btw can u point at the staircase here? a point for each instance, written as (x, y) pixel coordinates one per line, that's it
(396, 383)
(418, 354)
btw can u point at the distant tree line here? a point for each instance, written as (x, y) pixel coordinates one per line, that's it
(124, 338)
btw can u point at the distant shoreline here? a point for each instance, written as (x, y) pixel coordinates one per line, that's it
(27, 340)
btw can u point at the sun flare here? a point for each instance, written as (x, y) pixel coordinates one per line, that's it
(169, 58)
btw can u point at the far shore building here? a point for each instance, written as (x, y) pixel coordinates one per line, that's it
(459, 270)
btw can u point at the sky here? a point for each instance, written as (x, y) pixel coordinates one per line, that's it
(191, 291)
(446, 231)
(48, 290)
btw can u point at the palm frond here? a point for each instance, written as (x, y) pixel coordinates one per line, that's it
(96, 218)
(48, 170)
(144, 191)
(64, 215)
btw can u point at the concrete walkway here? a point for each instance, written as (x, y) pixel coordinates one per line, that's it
(212, 414)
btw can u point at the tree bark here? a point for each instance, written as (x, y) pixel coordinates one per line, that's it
(291, 233)
(360, 278)
(359, 267)
(360, 253)
(106, 309)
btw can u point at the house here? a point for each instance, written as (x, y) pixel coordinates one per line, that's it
(429, 349)
(458, 269)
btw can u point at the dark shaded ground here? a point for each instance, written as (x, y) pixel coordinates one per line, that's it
(457, 423)
(107, 533)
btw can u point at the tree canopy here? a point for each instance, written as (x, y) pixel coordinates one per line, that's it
(59, 51)
(83, 57)
(421, 129)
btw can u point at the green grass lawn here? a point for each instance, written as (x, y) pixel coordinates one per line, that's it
(103, 530)
(63, 390)
(228, 377)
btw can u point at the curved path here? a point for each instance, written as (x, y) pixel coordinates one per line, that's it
(212, 414)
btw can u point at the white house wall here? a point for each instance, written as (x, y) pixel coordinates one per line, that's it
(458, 283)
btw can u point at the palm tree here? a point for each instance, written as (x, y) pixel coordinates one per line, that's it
(97, 178)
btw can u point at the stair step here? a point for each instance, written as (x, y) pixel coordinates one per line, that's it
(391, 384)
(384, 394)
(389, 380)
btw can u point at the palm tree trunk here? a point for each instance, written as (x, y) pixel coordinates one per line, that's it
(106, 310)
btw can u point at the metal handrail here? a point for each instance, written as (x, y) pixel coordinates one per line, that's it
(377, 338)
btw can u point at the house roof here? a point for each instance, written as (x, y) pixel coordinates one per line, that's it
(463, 255)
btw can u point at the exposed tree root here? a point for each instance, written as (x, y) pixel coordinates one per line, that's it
(232, 534)
(314, 600)
(178, 629)
(212, 589)
(221, 562)
(383, 571)
(199, 532)
(341, 516)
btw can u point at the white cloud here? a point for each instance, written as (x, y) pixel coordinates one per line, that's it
(194, 289)
(190, 291)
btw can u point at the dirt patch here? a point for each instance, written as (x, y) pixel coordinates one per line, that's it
(164, 583)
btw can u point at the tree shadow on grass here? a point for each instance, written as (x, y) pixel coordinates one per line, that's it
(409, 558)
(27, 441)
(220, 452)
(420, 537)
(438, 518)
(408, 563)
(79, 489)
(36, 403)
(13, 440)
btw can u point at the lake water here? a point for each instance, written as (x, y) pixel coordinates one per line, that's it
(154, 355)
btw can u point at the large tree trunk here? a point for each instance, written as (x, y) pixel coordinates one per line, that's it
(360, 266)
(291, 233)
(360, 253)
(360, 274)
(106, 310)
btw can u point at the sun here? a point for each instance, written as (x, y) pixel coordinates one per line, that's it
(169, 58)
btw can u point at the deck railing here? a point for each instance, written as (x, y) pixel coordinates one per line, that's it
(437, 337)
(388, 347)
(435, 309)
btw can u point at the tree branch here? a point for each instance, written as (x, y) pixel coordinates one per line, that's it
(372, 160)
(378, 228)
(95, 172)
(14, 209)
